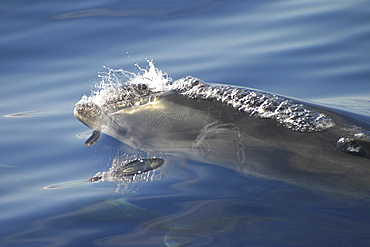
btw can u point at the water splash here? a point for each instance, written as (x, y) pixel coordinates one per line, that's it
(115, 82)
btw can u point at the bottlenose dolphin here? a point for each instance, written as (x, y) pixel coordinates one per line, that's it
(252, 132)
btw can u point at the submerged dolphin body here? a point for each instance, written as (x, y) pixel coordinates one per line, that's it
(252, 132)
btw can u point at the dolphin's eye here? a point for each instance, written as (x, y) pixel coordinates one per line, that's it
(122, 132)
(142, 86)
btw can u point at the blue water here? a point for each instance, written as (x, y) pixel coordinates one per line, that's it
(51, 53)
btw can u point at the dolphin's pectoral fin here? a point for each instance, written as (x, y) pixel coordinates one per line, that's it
(357, 145)
(93, 138)
(138, 166)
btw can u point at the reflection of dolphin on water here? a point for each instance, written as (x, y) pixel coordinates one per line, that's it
(252, 132)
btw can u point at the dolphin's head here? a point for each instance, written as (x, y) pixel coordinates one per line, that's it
(132, 114)
(147, 120)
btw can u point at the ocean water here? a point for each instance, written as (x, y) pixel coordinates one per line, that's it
(51, 54)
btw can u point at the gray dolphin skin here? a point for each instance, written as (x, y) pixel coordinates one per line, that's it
(252, 132)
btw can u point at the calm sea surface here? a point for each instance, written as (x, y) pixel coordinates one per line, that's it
(51, 53)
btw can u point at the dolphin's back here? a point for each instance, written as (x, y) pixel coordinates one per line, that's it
(264, 148)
